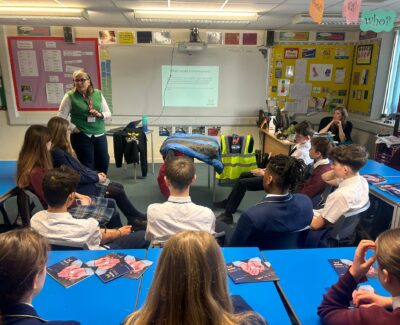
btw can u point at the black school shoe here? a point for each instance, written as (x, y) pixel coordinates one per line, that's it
(221, 204)
(226, 218)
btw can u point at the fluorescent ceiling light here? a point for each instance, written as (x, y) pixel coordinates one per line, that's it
(327, 19)
(191, 15)
(41, 13)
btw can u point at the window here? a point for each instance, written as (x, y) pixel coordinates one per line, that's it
(393, 86)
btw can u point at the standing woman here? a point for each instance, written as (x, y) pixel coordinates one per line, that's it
(338, 125)
(88, 109)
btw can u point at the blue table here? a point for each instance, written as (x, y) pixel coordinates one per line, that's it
(392, 176)
(8, 171)
(153, 254)
(305, 275)
(262, 296)
(90, 301)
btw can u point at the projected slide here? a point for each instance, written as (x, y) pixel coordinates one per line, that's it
(189, 86)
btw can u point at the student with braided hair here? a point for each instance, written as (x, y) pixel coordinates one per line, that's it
(279, 211)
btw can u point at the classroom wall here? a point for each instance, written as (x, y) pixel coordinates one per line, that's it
(12, 135)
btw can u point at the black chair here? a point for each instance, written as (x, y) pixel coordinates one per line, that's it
(320, 199)
(285, 240)
(339, 234)
(28, 205)
(9, 210)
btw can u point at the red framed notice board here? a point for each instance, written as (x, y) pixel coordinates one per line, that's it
(42, 69)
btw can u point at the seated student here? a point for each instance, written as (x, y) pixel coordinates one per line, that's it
(314, 185)
(352, 192)
(334, 308)
(34, 159)
(338, 125)
(190, 287)
(23, 256)
(60, 228)
(179, 212)
(253, 181)
(279, 211)
(91, 183)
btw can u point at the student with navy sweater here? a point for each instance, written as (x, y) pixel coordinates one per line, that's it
(280, 211)
(334, 307)
(23, 256)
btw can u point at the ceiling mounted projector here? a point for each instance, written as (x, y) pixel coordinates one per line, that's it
(191, 46)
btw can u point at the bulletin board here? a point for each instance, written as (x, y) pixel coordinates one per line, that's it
(42, 69)
(310, 75)
(363, 76)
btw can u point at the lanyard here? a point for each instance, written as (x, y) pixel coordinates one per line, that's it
(89, 101)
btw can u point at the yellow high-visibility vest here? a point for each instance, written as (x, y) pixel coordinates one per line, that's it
(236, 163)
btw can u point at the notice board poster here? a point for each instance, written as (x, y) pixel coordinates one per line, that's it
(42, 69)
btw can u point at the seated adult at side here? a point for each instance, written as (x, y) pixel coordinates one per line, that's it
(352, 192)
(338, 125)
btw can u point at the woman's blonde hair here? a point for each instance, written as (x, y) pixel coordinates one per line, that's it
(23, 254)
(344, 113)
(58, 127)
(33, 153)
(84, 74)
(189, 285)
(388, 251)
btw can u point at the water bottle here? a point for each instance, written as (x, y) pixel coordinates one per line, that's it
(272, 126)
(144, 123)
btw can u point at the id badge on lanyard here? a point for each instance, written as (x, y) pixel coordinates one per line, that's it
(90, 119)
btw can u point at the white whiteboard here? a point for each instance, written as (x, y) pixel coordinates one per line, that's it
(136, 81)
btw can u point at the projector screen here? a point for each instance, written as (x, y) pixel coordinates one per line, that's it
(189, 86)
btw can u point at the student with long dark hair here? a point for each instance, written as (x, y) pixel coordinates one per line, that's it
(91, 182)
(34, 160)
(190, 287)
(23, 256)
(280, 211)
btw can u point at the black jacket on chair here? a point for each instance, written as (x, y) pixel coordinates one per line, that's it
(131, 143)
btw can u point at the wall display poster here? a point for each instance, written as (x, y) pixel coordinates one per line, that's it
(340, 74)
(308, 53)
(330, 36)
(249, 38)
(33, 30)
(42, 68)
(125, 38)
(320, 72)
(341, 53)
(364, 54)
(364, 76)
(214, 37)
(283, 87)
(162, 38)
(356, 78)
(107, 37)
(293, 36)
(291, 53)
(367, 35)
(278, 73)
(289, 71)
(232, 38)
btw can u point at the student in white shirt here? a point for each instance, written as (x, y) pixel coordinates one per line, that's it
(179, 213)
(60, 228)
(352, 192)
